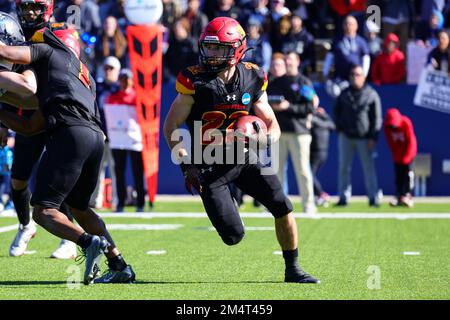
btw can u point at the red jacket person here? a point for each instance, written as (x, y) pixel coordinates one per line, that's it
(402, 141)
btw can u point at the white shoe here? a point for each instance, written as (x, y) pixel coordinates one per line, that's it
(66, 250)
(20, 243)
(310, 209)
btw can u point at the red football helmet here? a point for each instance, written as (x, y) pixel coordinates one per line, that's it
(46, 12)
(70, 38)
(222, 44)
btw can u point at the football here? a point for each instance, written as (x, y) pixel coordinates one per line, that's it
(247, 125)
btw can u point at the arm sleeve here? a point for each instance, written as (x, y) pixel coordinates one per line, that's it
(337, 113)
(184, 84)
(329, 60)
(267, 54)
(376, 76)
(323, 121)
(375, 118)
(400, 74)
(366, 64)
(301, 110)
(40, 51)
(261, 84)
(412, 143)
(311, 54)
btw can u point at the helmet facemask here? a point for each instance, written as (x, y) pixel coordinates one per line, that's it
(26, 21)
(217, 56)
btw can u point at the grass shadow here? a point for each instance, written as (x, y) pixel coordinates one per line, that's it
(207, 282)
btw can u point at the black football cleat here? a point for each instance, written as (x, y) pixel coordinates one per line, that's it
(111, 276)
(297, 275)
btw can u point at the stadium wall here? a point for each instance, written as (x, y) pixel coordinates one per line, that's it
(432, 130)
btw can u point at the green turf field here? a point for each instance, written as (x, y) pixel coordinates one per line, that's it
(354, 258)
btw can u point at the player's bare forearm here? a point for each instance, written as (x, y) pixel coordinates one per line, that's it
(178, 113)
(23, 84)
(24, 126)
(264, 111)
(15, 100)
(15, 54)
(273, 129)
(169, 129)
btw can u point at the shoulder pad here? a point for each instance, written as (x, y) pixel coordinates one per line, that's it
(258, 73)
(186, 78)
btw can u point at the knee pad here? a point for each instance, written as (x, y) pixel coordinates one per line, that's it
(281, 206)
(233, 238)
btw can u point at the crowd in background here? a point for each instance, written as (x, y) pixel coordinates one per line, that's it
(330, 38)
(273, 26)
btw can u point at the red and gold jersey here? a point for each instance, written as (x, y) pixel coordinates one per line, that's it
(218, 105)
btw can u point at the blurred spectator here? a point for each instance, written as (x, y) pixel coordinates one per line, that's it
(260, 12)
(8, 6)
(389, 66)
(301, 41)
(322, 125)
(112, 42)
(126, 139)
(293, 100)
(182, 51)
(261, 50)
(304, 9)
(109, 83)
(344, 8)
(106, 86)
(6, 160)
(277, 66)
(119, 13)
(278, 22)
(106, 8)
(427, 35)
(226, 8)
(347, 51)
(439, 57)
(374, 42)
(428, 6)
(398, 17)
(278, 10)
(358, 119)
(399, 132)
(90, 22)
(172, 10)
(197, 19)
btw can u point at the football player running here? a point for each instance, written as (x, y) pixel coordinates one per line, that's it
(34, 15)
(68, 169)
(216, 93)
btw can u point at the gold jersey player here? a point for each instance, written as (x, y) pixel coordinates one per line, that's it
(215, 94)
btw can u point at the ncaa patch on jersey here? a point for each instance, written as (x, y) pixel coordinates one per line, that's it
(246, 98)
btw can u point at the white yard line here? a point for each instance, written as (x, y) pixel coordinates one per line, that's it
(9, 228)
(156, 252)
(411, 253)
(340, 215)
(145, 227)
